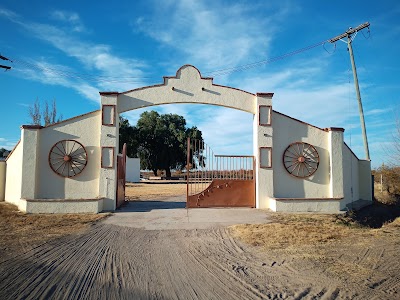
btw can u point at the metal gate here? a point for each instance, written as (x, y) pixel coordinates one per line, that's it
(218, 180)
(121, 176)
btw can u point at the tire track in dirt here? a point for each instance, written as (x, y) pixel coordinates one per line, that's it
(115, 262)
(111, 262)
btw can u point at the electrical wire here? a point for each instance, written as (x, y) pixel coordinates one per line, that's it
(76, 75)
(133, 79)
(228, 71)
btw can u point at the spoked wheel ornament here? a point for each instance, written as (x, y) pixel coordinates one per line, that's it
(68, 158)
(301, 159)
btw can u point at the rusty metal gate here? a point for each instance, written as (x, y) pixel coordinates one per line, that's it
(121, 176)
(218, 180)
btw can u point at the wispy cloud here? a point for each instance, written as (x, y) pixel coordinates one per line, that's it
(72, 18)
(7, 143)
(97, 59)
(8, 13)
(212, 36)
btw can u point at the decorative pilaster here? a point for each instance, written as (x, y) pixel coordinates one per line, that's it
(109, 143)
(336, 162)
(30, 141)
(262, 149)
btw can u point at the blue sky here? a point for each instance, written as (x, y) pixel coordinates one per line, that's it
(71, 50)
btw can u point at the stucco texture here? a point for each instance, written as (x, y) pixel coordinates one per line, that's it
(14, 175)
(186, 87)
(84, 129)
(287, 131)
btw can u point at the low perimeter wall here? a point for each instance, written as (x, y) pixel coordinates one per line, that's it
(55, 206)
(305, 205)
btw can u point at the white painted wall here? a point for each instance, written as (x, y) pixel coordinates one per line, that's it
(186, 87)
(287, 131)
(64, 206)
(109, 137)
(2, 180)
(84, 129)
(190, 87)
(14, 175)
(339, 173)
(263, 137)
(350, 178)
(132, 169)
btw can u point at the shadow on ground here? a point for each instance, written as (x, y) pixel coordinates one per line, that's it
(145, 206)
(373, 216)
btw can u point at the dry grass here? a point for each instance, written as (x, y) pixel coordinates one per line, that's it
(21, 232)
(329, 242)
(146, 191)
(383, 196)
(298, 230)
(293, 230)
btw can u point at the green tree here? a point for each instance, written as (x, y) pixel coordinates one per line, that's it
(158, 140)
(128, 134)
(48, 113)
(3, 152)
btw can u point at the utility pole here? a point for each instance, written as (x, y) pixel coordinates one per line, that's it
(4, 67)
(350, 34)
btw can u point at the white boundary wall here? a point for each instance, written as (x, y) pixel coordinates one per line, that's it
(132, 169)
(30, 183)
(14, 177)
(84, 129)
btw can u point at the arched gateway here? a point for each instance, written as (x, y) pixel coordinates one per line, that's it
(298, 166)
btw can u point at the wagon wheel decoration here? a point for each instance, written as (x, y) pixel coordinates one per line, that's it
(68, 158)
(301, 159)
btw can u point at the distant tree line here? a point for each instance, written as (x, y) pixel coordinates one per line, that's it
(158, 140)
(390, 172)
(4, 152)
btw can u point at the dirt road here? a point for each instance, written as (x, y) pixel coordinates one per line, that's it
(113, 262)
(109, 261)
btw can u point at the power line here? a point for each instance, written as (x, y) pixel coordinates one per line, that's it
(134, 79)
(263, 62)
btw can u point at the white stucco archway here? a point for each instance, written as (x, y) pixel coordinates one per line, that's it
(188, 86)
(340, 181)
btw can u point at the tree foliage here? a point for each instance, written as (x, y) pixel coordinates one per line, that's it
(47, 114)
(390, 179)
(390, 172)
(159, 141)
(4, 152)
(128, 134)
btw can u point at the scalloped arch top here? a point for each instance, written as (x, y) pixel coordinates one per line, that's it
(187, 86)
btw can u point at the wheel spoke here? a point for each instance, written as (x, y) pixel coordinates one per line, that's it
(72, 149)
(68, 158)
(65, 151)
(301, 159)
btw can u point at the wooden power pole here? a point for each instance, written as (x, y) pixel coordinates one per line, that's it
(350, 34)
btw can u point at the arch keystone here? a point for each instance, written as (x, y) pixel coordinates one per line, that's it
(188, 71)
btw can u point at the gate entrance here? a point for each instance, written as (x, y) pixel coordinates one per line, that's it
(218, 180)
(239, 175)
